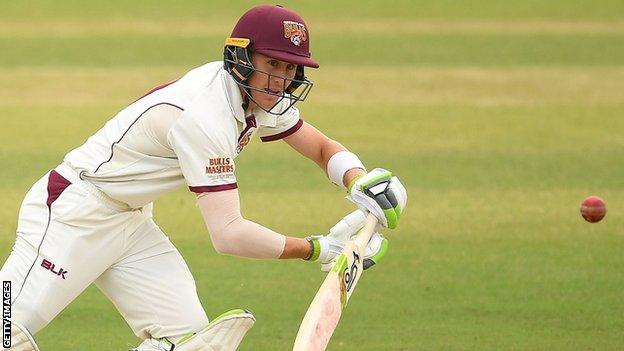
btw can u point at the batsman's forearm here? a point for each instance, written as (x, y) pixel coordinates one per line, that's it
(245, 238)
(296, 248)
(314, 145)
(333, 158)
(249, 239)
(231, 234)
(332, 149)
(329, 149)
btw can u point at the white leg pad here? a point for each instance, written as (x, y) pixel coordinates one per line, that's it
(224, 333)
(152, 345)
(21, 340)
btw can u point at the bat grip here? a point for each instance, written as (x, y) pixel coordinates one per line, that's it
(364, 235)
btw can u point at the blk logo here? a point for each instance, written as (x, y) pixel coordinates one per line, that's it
(52, 268)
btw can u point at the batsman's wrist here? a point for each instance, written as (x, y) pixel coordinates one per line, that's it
(352, 182)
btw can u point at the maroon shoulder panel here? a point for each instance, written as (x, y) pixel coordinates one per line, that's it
(157, 88)
(56, 185)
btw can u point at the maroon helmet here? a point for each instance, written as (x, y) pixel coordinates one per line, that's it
(276, 32)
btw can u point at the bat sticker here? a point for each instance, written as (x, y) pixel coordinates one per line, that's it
(349, 277)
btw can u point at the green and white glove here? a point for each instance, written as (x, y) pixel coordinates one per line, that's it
(380, 193)
(326, 248)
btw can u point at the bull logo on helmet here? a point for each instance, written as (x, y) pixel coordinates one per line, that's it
(295, 31)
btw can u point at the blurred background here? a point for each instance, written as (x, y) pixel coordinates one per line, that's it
(499, 116)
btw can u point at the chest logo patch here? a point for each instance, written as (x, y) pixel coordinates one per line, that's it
(244, 139)
(245, 136)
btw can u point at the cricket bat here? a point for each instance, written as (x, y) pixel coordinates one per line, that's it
(325, 310)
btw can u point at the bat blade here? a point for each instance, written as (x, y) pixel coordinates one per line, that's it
(324, 312)
(322, 316)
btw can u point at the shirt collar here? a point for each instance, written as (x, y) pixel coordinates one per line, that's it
(233, 95)
(264, 118)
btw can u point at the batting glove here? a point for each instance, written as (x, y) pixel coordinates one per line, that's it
(380, 193)
(327, 248)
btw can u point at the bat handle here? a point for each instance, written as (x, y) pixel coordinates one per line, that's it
(364, 235)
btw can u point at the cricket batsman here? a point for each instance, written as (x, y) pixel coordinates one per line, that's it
(89, 220)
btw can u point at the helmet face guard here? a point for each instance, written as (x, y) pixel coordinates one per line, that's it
(237, 62)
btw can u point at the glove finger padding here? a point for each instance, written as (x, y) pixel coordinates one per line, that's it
(375, 251)
(382, 194)
(348, 226)
(327, 247)
(396, 197)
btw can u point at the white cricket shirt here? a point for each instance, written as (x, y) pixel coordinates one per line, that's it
(187, 131)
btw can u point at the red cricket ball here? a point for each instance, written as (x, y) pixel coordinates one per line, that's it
(593, 209)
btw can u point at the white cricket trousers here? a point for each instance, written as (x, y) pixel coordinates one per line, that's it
(70, 234)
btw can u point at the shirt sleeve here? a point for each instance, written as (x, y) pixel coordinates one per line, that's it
(205, 154)
(286, 124)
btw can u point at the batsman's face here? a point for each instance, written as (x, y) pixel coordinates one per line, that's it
(270, 84)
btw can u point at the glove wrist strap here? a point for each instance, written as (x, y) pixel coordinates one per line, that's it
(352, 183)
(315, 249)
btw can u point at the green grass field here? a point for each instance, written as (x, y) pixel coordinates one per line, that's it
(500, 117)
